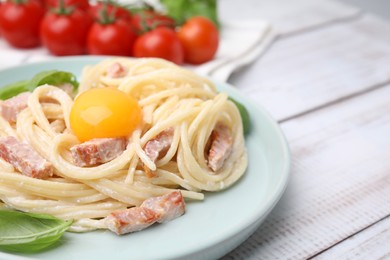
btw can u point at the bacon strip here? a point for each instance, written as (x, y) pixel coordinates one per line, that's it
(221, 146)
(24, 158)
(169, 206)
(116, 70)
(97, 151)
(158, 146)
(10, 108)
(130, 220)
(157, 209)
(67, 88)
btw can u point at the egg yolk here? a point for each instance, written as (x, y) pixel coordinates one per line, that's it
(104, 112)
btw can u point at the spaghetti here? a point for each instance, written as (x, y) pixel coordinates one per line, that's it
(170, 98)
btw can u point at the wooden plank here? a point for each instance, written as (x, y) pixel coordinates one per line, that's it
(310, 70)
(372, 243)
(340, 181)
(287, 16)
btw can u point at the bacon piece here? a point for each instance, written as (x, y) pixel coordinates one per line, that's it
(169, 206)
(156, 209)
(158, 146)
(67, 87)
(130, 220)
(10, 108)
(220, 148)
(24, 158)
(97, 151)
(116, 70)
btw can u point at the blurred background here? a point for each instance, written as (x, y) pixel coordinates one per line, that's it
(379, 7)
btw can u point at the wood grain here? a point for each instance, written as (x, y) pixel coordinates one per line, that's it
(340, 180)
(372, 243)
(310, 70)
(288, 16)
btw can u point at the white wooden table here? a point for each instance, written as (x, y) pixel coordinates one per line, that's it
(326, 80)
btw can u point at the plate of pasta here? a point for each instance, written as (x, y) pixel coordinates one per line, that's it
(144, 159)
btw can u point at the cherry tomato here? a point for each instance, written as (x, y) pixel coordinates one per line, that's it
(104, 112)
(114, 10)
(161, 42)
(149, 19)
(19, 23)
(65, 33)
(114, 38)
(200, 40)
(80, 4)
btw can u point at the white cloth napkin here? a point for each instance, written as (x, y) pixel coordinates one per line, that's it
(241, 42)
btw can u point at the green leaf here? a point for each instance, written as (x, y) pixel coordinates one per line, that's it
(29, 232)
(182, 10)
(52, 77)
(13, 89)
(246, 122)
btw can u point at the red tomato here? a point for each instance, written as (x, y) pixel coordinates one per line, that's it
(149, 19)
(19, 23)
(81, 4)
(114, 38)
(161, 42)
(200, 40)
(65, 34)
(113, 9)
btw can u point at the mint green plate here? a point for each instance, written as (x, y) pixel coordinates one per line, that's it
(209, 229)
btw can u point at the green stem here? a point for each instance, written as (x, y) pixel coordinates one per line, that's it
(63, 9)
(105, 16)
(62, 6)
(20, 2)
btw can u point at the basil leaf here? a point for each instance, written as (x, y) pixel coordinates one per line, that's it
(13, 89)
(52, 77)
(29, 232)
(246, 122)
(182, 10)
